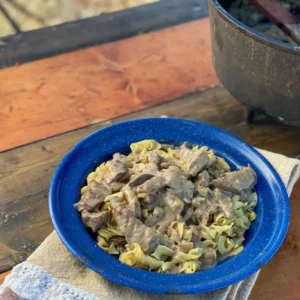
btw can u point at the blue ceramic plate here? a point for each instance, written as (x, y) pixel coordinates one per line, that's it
(262, 240)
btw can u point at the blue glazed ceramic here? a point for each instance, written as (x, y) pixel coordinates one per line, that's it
(262, 240)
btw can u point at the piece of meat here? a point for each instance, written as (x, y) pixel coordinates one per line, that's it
(119, 241)
(117, 157)
(140, 179)
(135, 231)
(187, 213)
(133, 202)
(120, 157)
(170, 217)
(93, 197)
(158, 215)
(209, 257)
(152, 185)
(152, 201)
(195, 161)
(166, 165)
(116, 186)
(138, 168)
(174, 203)
(153, 163)
(204, 208)
(223, 198)
(95, 220)
(117, 171)
(202, 180)
(178, 184)
(176, 162)
(238, 182)
(215, 173)
(209, 195)
(154, 158)
(124, 159)
(184, 150)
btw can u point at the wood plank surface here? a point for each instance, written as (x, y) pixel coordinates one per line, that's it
(25, 172)
(280, 278)
(104, 28)
(62, 93)
(24, 183)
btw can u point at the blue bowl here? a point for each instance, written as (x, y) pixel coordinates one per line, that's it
(262, 239)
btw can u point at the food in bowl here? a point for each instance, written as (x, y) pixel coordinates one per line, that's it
(169, 209)
(262, 239)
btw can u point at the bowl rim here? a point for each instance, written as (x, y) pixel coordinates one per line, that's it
(192, 288)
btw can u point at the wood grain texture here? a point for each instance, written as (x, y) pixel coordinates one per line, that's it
(104, 28)
(24, 224)
(280, 278)
(24, 218)
(25, 172)
(54, 95)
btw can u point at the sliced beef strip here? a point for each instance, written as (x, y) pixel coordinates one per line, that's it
(203, 179)
(95, 220)
(174, 203)
(153, 201)
(215, 173)
(187, 213)
(117, 171)
(133, 202)
(170, 216)
(93, 197)
(204, 207)
(209, 257)
(138, 168)
(140, 179)
(116, 186)
(154, 161)
(184, 150)
(158, 215)
(117, 157)
(178, 184)
(175, 162)
(223, 199)
(238, 182)
(166, 165)
(121, 158)
(195, 161)
(152, 185)
(135, 231)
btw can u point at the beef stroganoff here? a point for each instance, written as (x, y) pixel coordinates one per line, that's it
(169, 209)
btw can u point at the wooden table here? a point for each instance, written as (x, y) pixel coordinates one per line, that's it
(50, 104)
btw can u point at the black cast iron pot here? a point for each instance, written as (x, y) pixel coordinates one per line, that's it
(260, 72)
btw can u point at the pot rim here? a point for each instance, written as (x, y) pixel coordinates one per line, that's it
(253, 33)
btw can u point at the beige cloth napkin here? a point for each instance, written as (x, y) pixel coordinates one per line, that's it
(54, 258)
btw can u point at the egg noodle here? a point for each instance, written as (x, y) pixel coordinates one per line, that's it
(204, 224)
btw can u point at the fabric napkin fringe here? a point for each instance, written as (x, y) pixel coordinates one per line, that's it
(32, 282)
